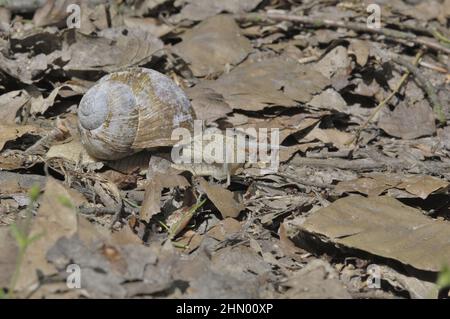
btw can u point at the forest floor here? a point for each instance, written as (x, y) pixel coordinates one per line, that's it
(353, 203)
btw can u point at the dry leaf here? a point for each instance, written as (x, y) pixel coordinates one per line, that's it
(152, 197)
(418, 289)
(112, 50)
(383, 226)
(55, 219)
(225, 229)
(201, 9)
(222, 198)
(280, 81)
(41, 105)
(329, 99)
(408, 121)
(151, 25)
(287, 152)
(336, 62)
(422, 186)
(72, 151)
(318, 279)
(212, 45)
(11, 183)
(333, 136)
(11, 103)
(361, 51)
(12, 132)
(375, 184)
(191, 240)
(207, 104)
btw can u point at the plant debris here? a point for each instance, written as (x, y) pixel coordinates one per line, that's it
(343, 126)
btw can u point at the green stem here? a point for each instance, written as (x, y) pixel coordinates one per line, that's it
(15, 277)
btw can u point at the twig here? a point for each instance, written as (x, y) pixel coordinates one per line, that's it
(384, 102)
(365, 164)
(97, 210)
(375, 162)
(440, 36)
(433, 67)
(304, 182)
(308, 59)
(392, 34)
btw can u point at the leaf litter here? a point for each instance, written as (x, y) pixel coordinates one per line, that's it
(364, 156)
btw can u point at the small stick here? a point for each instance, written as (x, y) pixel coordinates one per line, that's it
(308, 59)
(384, 102)
(433, 67)
(440, 36)
(97, 210)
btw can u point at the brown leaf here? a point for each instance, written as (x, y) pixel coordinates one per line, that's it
(55, 219)
(151, 25)
(287, 152)
(329, 99)
(52, 13)
(424, 10)
(287, 245)
(136, 162)
(119, 47)
(280, 81)
(55, 13)
(408, 121)
(212, 45)
(222, 198)
(372, 185)
(201, 9)
(384, 227)
(191, 240)
(375, 184)
(12, 132)
(318, 279)
(336, 62)
(11, 183)
(144, 7)
(11, 103)
(333, 136)
(41, 105)
(152, 197)
(361, 51)
(125, 236)
(72, 151)
(286, 124)
(225, 228)
(207, 104)
(27, 69)
(422, 186)
(418, 289)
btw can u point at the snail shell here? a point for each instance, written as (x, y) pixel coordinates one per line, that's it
(129, 111)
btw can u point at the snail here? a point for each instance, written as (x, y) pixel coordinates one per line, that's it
(128, 111)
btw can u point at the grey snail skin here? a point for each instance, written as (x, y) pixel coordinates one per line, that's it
(128, 111)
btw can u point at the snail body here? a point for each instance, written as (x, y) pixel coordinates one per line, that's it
(128, 111)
